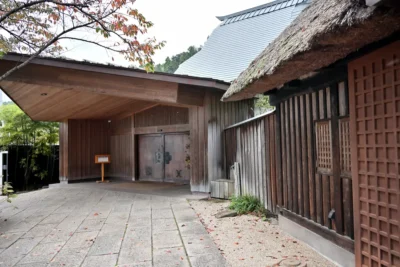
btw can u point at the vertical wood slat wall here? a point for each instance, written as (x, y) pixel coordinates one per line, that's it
(63, 162)
(207, 137)
(162, 115)
(198, 150)
(86, 138)
(122, 149)
(313, 148)
(252, 145)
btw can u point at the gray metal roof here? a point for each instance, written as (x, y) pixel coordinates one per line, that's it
(240, 38)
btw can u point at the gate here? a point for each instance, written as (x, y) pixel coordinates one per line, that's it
(374, 82)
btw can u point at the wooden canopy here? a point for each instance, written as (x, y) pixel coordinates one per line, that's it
(51, 89)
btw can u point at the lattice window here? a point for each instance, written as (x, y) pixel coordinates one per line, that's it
(375, 115)
(324, 146)
(345, 156)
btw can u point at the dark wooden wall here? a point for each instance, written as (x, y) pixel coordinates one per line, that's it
(122, 149)
(314, 159)
(86, 138)
(63, 162)
(162, 115)
(252, 145)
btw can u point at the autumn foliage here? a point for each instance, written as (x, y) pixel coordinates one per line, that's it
(37, 27)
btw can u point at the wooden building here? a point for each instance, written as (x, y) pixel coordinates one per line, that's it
(156, 127)
(337, 98)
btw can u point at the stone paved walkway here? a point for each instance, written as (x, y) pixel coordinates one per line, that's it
(87, 227)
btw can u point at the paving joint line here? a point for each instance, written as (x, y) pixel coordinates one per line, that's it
(180, 236)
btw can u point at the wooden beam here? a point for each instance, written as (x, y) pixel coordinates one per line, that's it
(313, 84)
(138, 107)
(341, 241)
(372, 2)
(117, 70)
(388, 3)
(163, 129)
(92, 82)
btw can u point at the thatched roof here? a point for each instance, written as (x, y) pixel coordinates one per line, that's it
(326, 31)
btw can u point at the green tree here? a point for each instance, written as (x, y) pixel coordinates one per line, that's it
(38, 137)
(262, 104)
(171, 64)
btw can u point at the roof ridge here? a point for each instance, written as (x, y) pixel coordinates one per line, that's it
(276, 2)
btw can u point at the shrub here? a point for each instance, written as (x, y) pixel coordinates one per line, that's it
(246, 204)
(8, 191)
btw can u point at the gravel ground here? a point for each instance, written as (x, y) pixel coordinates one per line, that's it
(248, 241)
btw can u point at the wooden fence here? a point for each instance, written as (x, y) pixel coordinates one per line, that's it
(16, 172)
(313, 162)
(252, 144)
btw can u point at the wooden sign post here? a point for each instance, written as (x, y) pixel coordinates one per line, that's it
(102, 159)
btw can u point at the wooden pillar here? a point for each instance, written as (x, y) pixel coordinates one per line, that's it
(336, 170)
(278, 155)
(133, 150)
(63, 151)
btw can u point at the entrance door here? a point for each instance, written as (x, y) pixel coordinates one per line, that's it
(164, 157)
(151, 157)
(375, 146)
(177, 158)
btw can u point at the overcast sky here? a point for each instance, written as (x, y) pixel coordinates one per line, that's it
(181, 23)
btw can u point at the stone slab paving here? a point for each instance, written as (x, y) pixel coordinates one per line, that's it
(89, 226)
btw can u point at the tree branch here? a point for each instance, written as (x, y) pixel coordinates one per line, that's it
(52, 41)
(107, 29)
(90, 42)
(30, 4)
(30, 44)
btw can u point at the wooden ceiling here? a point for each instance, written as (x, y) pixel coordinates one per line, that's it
(48, 92)
(46, 103)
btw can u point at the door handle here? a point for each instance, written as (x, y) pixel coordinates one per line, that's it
(158, 157)
(167, 157)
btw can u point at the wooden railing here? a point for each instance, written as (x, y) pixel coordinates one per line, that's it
(252, 144)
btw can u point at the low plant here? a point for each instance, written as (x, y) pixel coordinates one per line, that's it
(246, 204)
(8, 191)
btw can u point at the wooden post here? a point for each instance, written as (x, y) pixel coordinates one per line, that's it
(238, 185)
(102, 159)
(102, 172)
(278, 151)
(337, 179)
